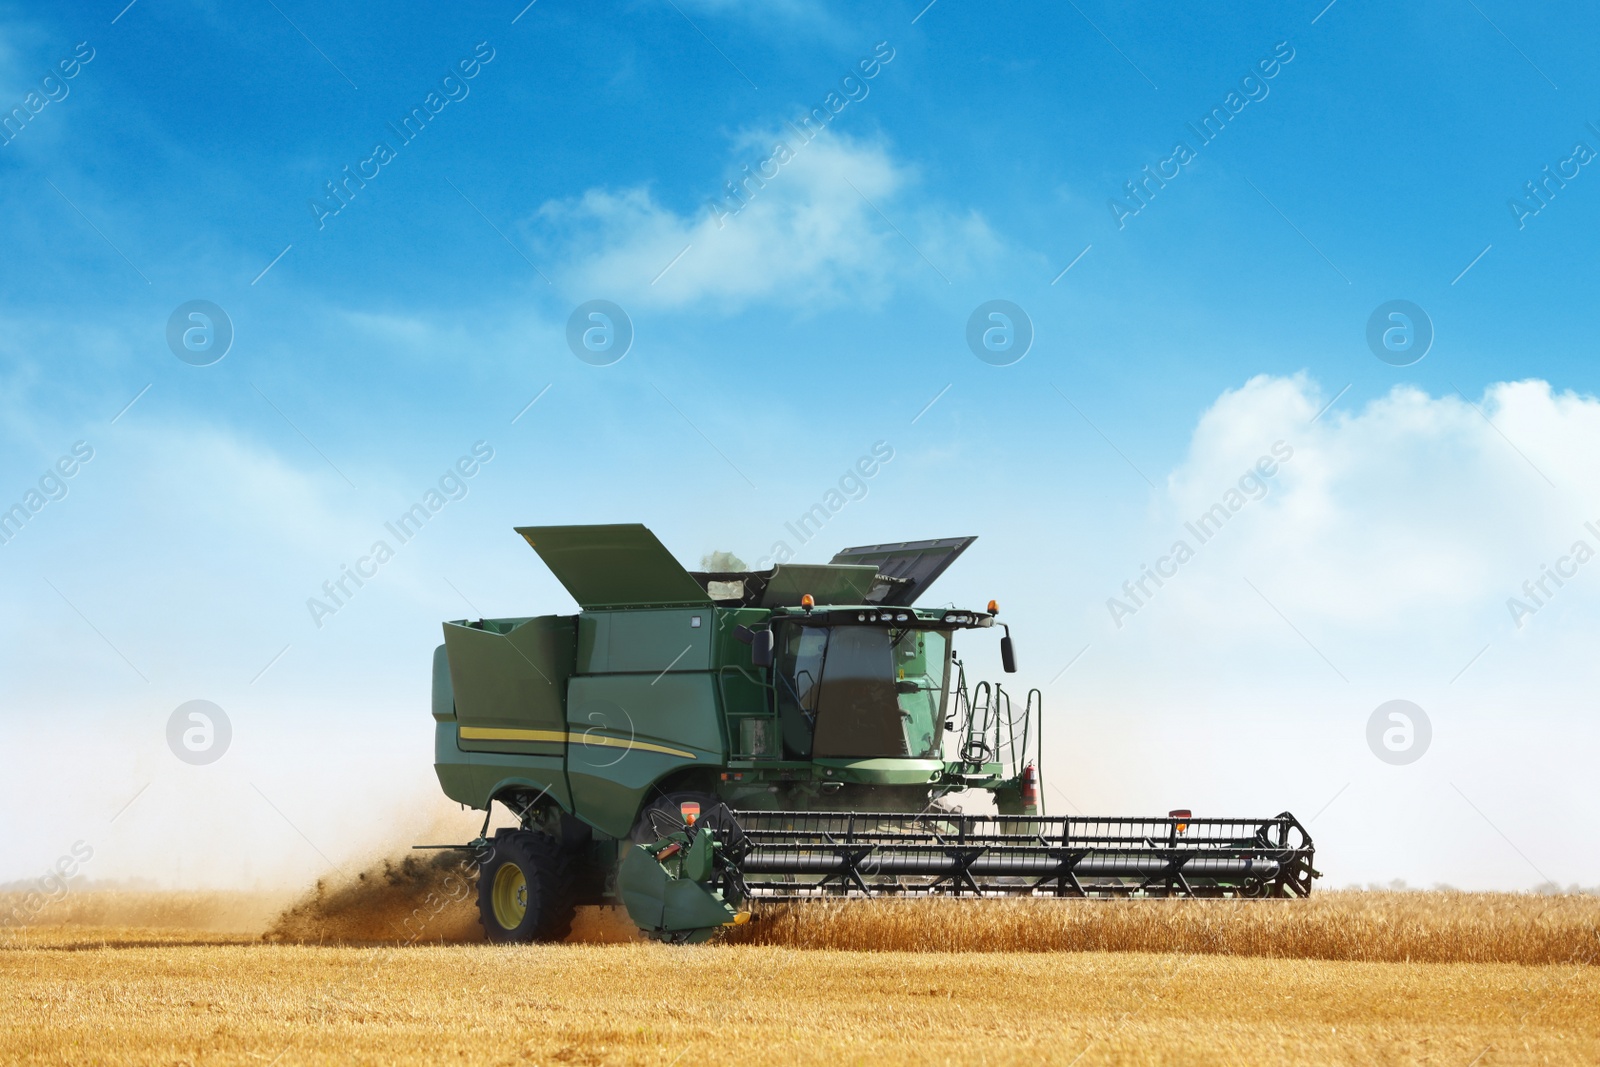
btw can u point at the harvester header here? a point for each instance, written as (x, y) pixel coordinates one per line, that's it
(690, 744)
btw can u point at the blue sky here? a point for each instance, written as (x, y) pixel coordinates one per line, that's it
(978, 162)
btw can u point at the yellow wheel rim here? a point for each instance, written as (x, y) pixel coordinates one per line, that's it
(510, 896)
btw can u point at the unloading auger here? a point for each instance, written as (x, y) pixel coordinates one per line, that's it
(691, 745)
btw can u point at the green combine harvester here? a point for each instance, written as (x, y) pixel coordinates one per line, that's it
(690, 745)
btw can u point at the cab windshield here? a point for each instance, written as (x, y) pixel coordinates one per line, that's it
(860, 692)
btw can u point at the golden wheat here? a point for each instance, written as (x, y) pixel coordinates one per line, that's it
(1439, 927)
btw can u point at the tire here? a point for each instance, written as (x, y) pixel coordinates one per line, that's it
(525, 890)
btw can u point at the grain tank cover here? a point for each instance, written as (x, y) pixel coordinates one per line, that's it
(621, 566)
(829, 583)
(910, 566)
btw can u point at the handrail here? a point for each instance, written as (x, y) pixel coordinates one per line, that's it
(1035, 715)
(749, 676)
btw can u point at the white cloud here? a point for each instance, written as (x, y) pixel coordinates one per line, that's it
(1413, 511)
(809, 232)
(1384, 553)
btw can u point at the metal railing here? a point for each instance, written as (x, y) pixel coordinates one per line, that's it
(989, 729)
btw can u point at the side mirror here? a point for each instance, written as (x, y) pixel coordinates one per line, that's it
(761, 648)
(1008, 655)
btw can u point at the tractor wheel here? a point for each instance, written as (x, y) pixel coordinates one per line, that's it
(525, 890)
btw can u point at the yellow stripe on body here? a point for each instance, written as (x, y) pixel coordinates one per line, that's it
(486, 733)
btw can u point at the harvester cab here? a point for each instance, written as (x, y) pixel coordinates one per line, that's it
(690, 744)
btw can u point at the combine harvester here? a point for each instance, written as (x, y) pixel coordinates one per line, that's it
(692, 744)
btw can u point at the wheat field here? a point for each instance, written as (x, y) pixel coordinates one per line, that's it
(389, 969)
(1354, 926)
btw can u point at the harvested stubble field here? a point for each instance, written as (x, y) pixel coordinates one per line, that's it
(1345, 978)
